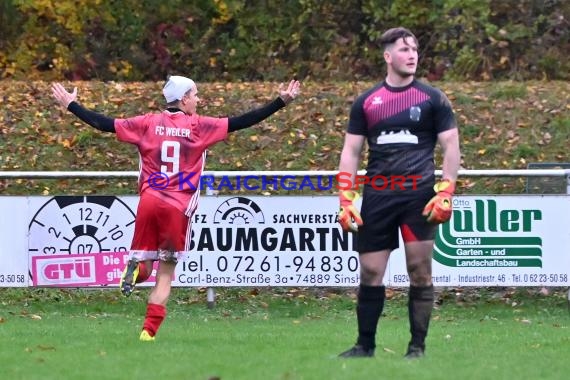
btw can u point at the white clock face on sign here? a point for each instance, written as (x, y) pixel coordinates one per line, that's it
(80, 225)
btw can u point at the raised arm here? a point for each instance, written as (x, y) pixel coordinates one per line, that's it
(248, 119)
(68, 100)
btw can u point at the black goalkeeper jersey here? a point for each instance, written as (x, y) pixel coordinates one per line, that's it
(401, 125)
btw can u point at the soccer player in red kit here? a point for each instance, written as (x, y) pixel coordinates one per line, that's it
(172, 147)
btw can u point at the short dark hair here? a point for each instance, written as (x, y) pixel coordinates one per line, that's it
(392, 35)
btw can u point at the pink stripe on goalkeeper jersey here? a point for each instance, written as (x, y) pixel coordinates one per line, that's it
(384, 103)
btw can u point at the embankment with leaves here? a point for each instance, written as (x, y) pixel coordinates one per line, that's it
(503, 125)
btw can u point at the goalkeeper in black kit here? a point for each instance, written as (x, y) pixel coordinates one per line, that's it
(401, 119)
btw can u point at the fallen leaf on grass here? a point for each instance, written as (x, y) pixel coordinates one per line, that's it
(45, 348)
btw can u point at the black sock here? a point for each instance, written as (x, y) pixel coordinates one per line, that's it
(420, 305)
(368, 310)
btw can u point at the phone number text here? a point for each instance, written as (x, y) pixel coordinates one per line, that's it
(268, 270)
(12, 278)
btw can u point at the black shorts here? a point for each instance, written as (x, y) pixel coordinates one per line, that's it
(383, 214)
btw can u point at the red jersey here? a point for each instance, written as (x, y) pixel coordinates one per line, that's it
(172, 149)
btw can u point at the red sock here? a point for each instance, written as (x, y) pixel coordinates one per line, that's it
(155, 314)
(143, 273)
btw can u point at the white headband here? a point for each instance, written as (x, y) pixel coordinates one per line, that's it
(176, 87)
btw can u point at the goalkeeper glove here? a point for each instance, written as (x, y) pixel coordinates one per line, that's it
(438, 209)
(348, 212)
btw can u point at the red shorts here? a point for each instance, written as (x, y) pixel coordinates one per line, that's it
(160, 226)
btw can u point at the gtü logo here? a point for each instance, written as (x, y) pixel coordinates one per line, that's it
(68, 270)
